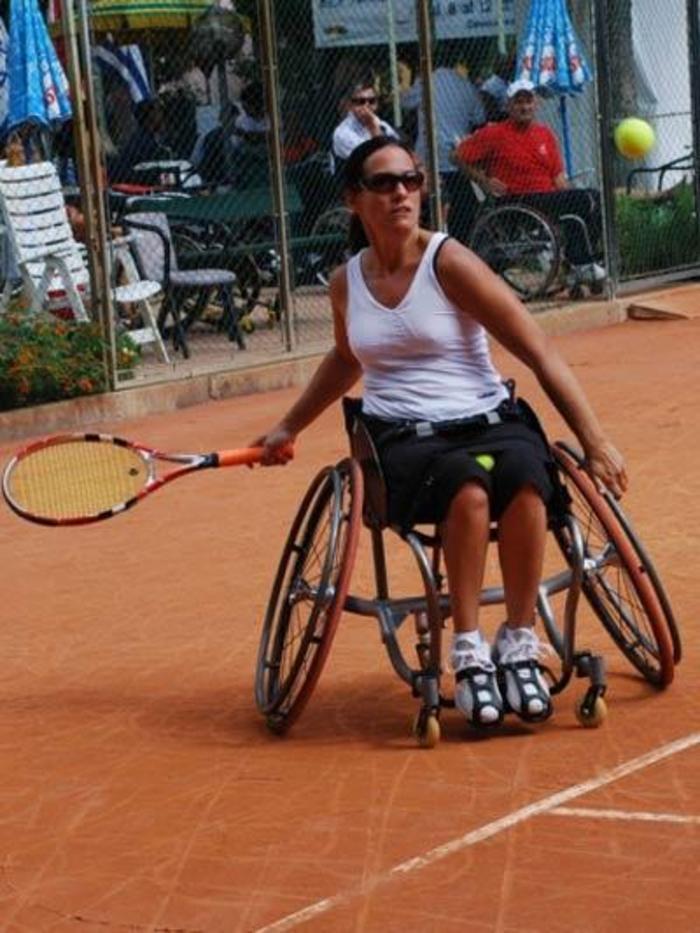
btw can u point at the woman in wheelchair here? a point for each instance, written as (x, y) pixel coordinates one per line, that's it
(412, 310)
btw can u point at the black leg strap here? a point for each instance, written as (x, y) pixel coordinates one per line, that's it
(479, 703)
(518, 675)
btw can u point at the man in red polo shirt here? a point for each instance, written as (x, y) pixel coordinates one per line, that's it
(520, 159)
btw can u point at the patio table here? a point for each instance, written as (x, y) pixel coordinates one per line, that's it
(222, 209)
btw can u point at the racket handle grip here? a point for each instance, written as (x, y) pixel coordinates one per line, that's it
(245, 455)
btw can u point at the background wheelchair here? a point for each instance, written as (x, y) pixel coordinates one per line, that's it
(599, 555)
(527, 248)
(520, 243)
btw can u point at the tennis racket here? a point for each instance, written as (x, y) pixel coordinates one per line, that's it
(77, 479)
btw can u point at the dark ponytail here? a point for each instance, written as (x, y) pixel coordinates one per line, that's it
(357, 238)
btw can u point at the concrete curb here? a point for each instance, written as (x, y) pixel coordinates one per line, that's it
(77, 414)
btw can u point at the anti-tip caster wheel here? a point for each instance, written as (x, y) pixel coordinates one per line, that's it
(276, 723)
(591, 716)
(426, 728)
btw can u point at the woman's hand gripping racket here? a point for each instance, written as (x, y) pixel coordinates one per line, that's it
(76, 479)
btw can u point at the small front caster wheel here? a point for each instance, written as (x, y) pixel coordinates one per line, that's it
(247, 324)
(426, 728)
(276, 723)
(590, 716)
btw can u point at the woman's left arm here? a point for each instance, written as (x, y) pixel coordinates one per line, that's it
(472, 286)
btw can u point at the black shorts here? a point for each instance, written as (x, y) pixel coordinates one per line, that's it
(423, 474)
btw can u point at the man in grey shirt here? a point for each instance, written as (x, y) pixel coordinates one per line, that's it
(458, 111)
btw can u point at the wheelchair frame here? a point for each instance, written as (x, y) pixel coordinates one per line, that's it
(604, 560)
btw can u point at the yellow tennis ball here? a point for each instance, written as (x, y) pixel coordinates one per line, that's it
(634, 138)
(486, 461)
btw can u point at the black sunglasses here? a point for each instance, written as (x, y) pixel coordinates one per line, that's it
(364, 100)
(386, 182)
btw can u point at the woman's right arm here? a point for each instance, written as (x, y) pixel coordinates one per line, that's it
(338, 372)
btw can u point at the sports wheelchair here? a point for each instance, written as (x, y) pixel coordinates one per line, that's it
(601, 558)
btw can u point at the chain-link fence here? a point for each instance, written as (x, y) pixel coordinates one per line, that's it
(649, 59)
(223, 130)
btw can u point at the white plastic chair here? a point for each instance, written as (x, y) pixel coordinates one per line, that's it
(50, 259)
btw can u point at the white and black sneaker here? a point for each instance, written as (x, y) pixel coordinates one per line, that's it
(476, 687)
(517, 653)
(589, 273)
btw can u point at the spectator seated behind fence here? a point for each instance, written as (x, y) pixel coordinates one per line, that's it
(146, 144)
(520, 158)
(458, 111)
(236, 152)
(361, 121)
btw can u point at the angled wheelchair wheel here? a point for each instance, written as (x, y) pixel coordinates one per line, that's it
(519, 244)
(308, 594)
(620, 582)
(331, 228)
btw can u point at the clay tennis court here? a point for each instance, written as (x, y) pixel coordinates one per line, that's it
(140, 790)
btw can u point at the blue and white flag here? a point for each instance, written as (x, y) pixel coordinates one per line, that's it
(39, 91)
(4, 86)
(125, 62)
(550, 53)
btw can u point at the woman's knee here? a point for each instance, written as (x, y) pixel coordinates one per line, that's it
(470, 501)
(528, 498)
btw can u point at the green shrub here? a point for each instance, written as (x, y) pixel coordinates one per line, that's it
(657, 234)
(44, 358)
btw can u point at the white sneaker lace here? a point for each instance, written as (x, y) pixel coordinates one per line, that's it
(465, 655)
(521, 645)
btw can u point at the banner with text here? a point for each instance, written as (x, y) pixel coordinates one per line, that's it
(370, 22)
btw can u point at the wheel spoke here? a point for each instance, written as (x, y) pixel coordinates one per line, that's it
(309, 593)
(615, 580)
(520, 245)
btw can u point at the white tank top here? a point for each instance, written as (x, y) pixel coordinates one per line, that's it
(425, 359)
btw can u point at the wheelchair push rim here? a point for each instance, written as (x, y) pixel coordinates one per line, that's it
(308, 594)
(619, 581)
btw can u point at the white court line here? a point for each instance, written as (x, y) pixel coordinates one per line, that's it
(487, 831)
(625, 815)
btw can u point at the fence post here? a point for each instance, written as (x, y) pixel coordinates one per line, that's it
(268, 56)
(425, 39)
(694, 65)
(78, 55)
(599, 13)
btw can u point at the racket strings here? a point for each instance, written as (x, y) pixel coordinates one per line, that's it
(77, 479)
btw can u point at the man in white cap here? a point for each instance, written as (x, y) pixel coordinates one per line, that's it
(520, 158)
